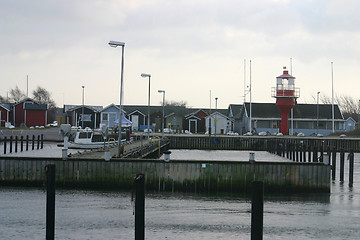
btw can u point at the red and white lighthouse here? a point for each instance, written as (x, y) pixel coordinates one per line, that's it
(285, 94)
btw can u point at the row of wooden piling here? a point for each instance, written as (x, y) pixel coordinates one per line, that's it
(258, 143)
(257, 206)
(15, 143)
(300, 152)
(139, 183)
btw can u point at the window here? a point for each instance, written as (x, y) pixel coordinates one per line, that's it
(86, 117)
(105, 117)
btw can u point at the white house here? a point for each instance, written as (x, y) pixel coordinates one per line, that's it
(220, 123)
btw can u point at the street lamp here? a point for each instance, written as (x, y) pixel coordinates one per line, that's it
(163, 103)
(215, 113)
(144, 75)
(82, 110)
(122, 45)
(317, 113)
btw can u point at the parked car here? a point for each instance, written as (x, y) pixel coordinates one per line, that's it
(147, 129)
(168, 130)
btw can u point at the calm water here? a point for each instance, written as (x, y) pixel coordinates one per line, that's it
(109, 215)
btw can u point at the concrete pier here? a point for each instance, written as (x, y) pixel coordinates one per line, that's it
(189, 176)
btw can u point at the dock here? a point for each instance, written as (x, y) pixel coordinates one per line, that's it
(135, 149)
(305, 171)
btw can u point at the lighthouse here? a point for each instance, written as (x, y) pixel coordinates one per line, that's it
(285, 94)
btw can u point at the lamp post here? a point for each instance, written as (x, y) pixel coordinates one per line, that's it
(82, 109)
(215, 113)
(145, 75)
(317, 113)
(122, 45)
(163, 103)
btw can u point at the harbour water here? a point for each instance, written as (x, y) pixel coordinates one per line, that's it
(109, 215)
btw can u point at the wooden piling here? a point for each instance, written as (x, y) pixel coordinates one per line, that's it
(321, 154)
(16, 143)
(257, 210)
(38, 142)
(333, 165)
(50, 201)
(351, 168)
(315, 154)
(10, 143)
(287, 150)
(5, 143)
(33, 142)
(342, 163)
(140, 207)
(22, 143)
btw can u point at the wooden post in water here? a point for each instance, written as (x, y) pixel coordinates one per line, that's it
(294, 151)
(309, 153)
(140, 207)
(351, 168)
(10, 143)
(321, 152)
(287, 150)
(297, 153)
(5, 141)
(315, 154)
(257, 210)
(22, 143)
(304, 152)
(333, 165)
(33, 142)
(50, 201)
(16, 143)
(342, 163)
(38, 142)
(42, 141)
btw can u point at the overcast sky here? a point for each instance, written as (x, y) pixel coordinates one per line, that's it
(189, 47)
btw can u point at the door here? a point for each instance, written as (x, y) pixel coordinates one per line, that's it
(135, 122)
(112, 118)
(193, 126)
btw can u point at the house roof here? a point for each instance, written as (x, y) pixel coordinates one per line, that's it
(6, 106)
(305, 111)
(218, 114)
(235, 109)
(109, 106)
(74, 107)
(31, 106)
(26, 99)
(153, 109)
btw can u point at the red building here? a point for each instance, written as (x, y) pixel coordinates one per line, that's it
(195, 122)
(30, 113)
(5, 109)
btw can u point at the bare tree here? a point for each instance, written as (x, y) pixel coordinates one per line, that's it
(16, 95)
(176, 103)
(347, 104)
(43, 96)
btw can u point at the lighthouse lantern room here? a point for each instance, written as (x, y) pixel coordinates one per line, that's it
(285, 94)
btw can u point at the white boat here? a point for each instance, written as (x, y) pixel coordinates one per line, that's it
(84, 139)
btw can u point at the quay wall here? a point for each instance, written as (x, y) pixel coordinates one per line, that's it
(180, 176)
(261, 143)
